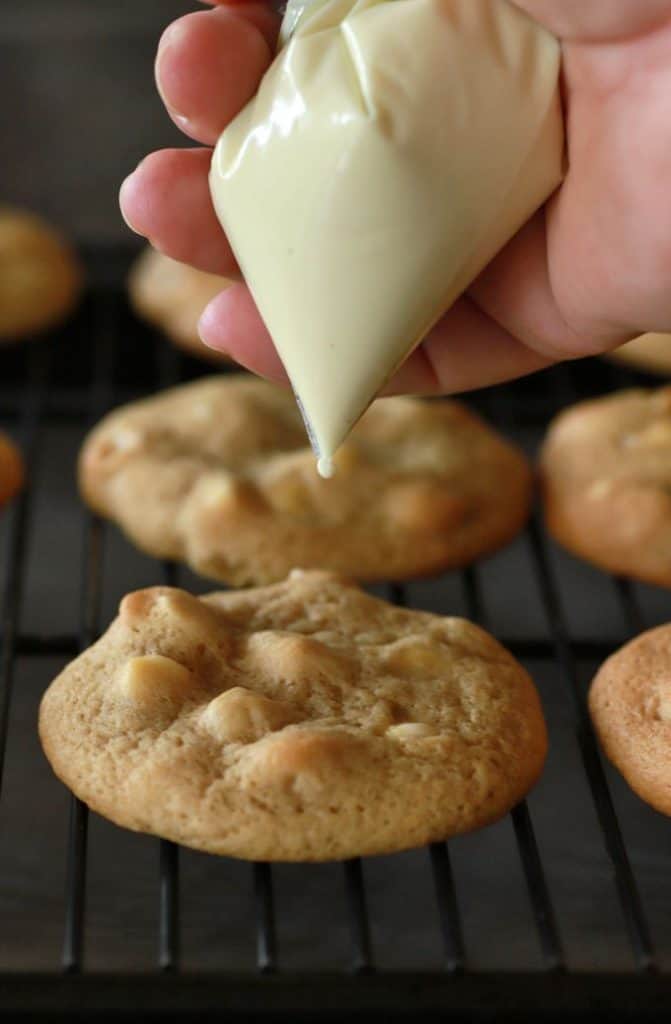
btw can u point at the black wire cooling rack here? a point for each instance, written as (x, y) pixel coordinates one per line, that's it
(550, 917)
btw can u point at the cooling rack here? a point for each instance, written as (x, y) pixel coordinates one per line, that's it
(561, 911)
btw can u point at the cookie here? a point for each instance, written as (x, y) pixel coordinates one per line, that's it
(11, 469)
(606, 480)
(302, 721)
(172, 296)
(630, 704)
(218, 473)
(40, 278)
(651, 352)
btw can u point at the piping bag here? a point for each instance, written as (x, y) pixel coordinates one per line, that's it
(392, 150)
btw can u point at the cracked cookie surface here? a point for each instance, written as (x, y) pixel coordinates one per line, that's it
(630, 704)
(218, 474)
(172, 296)
(302, 721)
(606, 476)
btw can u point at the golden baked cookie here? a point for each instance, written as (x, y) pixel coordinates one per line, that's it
(303, 721)
(40, 277)
(606, 481)
(218, 473)
(630, 703)
(651, 352)
(172, 297)
(11, 469)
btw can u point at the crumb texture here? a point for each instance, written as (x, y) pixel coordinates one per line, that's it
(302, 721)
(630, 703)
(218, 474)
(606, 476)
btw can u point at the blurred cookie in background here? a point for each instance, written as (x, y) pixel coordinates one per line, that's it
(171, 296)
(40, 275)
(219, 473)
(606, 482)
(650, 352)
(630, 704)
(11, 469)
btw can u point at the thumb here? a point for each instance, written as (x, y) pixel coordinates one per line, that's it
(605, 21)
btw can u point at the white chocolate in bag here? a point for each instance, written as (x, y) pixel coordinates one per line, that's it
(392, 149)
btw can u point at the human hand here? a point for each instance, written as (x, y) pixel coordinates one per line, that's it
(589, 271)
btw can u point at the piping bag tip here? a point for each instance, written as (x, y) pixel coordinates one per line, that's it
(325, 467)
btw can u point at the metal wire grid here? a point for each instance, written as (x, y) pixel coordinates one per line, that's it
(33, 406)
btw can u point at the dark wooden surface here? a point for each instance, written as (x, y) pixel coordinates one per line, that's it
(79, 108)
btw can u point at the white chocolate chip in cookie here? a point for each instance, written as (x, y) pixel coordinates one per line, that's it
(127, 439)
(241, 716)
(219, 489)
(600, 489)
(409, 731)
(294, 657)
(199, 625)
(220, 500)
(319, 577)
(193, 615)
(203, 410)
(306, 761)
(412, 658)
(109, 453)
(656, 435)
(425, 506)
(154, 683)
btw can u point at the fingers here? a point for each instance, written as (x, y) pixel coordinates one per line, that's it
(466, 350)
(232, 324)
(167, 199)
(607, 20)
(592, 270)
(209, 64)
(516, 292)
(245, 6)
(263, 15)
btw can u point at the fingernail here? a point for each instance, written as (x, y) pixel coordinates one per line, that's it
(168, 39)
(202, 327)
(203, 330)
(123, 188)
(167, 43)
